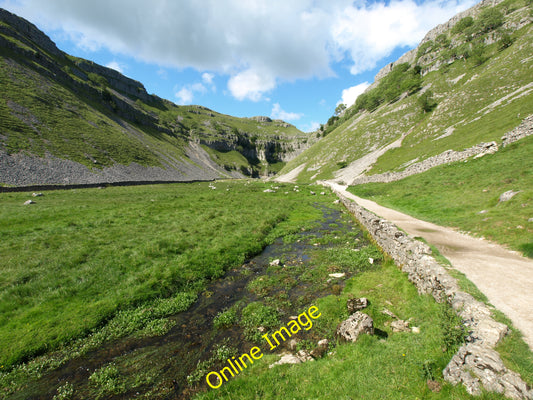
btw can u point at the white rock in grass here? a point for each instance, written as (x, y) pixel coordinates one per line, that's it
(27, 202)
(370, 260)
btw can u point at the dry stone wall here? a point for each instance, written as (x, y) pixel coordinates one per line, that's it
(449, 156)
(476, 364)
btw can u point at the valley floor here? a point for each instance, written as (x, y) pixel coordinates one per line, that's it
(504, 276)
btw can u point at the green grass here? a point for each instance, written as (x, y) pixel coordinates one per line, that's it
(454, 195)
(384, 366)
(78, 259)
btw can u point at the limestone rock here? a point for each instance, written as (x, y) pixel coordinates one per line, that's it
(36, 194)
(356, 324)
(354, 305)
(400, 326)
(477, 366)
(275, 262)
(286, 358)
(506, 196)
(28, 202)
(338, 275)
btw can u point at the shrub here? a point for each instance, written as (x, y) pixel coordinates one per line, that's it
(426, 101)
(506, 41)
(464, 23)
(490, 19)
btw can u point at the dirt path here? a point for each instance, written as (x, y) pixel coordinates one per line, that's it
(504, 276)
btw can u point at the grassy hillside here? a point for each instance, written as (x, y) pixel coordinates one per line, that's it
(53, 103)
(469, 85)
(465, 195)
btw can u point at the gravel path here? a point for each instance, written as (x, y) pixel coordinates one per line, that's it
(504, 276)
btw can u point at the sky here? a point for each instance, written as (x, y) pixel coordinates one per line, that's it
(294, 60)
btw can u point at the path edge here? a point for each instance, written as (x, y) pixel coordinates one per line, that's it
(477, 365)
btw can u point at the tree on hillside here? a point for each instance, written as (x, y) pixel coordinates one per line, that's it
(426, 101)
(340, 109)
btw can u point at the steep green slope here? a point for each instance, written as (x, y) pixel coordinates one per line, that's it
(57, 106)
(460, 87)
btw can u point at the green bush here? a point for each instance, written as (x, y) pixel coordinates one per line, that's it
(426, 101)
(490, 19)
(464, 23)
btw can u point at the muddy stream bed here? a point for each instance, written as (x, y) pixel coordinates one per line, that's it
(158, 367)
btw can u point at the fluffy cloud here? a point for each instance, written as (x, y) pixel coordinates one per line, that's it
(278, 113)
(184, 96)
(251, 85)
(350, 95)
(255, 43)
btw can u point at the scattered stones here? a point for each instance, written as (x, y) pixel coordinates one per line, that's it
(483, 212)
(336, 201)
(530, 220)
(371, 260)
(37, 194)
(338, 275)
(312, 193)
(28, 202)
(356, 324)
(269, 191)
(400, 326)
(415, 329)
(354, 305)
(275, 263)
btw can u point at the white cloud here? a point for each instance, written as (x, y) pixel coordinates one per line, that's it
(207, 78)
(256, 43)
(371, 32)
(251, 85)
(278, 113)
(184, 96)
(350, 95)
(116, 66)
(311, 127)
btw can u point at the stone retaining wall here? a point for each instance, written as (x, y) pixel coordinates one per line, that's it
(449, 156)
(476, 364)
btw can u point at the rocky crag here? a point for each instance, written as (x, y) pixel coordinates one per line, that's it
(66, 119)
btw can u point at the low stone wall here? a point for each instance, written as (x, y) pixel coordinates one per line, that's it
(449, 156)
(476, 364)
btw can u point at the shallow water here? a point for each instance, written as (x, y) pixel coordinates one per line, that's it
(162, 363)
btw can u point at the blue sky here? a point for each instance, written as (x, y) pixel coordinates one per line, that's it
(288, 59)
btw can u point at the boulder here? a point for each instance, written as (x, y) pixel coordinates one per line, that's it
(354, 305)
(356, 324)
